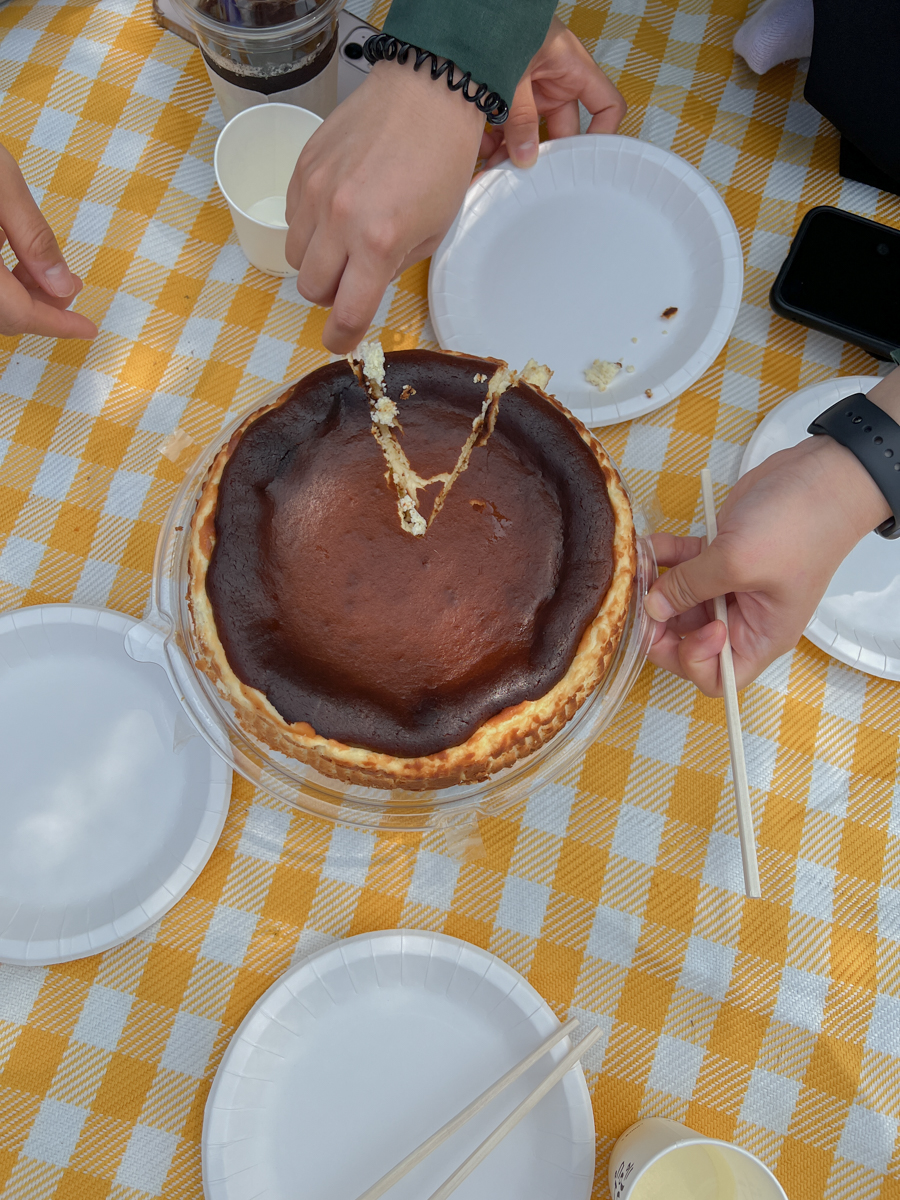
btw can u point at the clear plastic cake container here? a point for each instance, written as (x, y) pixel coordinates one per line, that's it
(166, 636)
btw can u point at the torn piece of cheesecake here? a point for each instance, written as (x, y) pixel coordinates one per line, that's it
(535, 373)
(601, 373)
(368, 365)
(482, 428)
(384, 410)
(410, 517)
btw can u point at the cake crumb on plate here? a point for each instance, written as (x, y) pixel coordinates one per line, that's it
(601, 373)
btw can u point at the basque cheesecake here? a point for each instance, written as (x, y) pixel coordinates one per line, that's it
(410, 571)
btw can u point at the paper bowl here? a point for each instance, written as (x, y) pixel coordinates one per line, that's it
(168, 637)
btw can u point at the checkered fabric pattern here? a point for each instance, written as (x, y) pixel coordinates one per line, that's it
(617, 890)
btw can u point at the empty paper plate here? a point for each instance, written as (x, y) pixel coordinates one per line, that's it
(579, 258)
(363, 1050)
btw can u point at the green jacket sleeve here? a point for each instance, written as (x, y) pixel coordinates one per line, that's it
(494, 40)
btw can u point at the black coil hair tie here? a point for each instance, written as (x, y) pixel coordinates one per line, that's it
(381, 46)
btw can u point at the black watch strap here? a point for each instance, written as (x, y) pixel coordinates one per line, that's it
(869, 433)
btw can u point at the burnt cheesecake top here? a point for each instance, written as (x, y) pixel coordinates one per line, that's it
(368, 634)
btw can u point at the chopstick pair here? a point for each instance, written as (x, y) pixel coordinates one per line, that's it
(452, 1182)
(733, 714)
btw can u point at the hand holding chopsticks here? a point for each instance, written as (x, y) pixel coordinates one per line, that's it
(733, 715)
(521, 1110)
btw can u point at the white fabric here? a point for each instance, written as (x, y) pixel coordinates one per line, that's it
(778, 31)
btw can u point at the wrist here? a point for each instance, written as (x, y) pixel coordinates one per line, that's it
(385, 47)
(868, 430)
(837, 477)
(426, 99)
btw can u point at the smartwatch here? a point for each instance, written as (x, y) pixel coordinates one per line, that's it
(874, 438)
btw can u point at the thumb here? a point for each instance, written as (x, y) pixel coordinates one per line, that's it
(29, 234)
(687, 584)
(521, 129)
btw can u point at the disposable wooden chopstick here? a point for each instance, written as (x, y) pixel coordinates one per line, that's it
(464, 1170)
(431, 1143)
(733, 715)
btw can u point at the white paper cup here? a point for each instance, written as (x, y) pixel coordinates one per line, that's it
(255, 157)
(659, 1159)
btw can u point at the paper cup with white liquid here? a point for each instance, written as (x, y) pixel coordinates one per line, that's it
(255, 157)
(659, 1159)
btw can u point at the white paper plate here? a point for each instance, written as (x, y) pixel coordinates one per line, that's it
(568, 261)
(858, 620)
(109, 806)
(361, 1051)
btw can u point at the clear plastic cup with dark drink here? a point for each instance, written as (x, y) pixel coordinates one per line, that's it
(257, 50)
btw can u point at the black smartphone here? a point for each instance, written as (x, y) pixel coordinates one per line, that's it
(842, 276)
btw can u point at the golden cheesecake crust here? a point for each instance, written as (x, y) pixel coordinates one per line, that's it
(499, 741)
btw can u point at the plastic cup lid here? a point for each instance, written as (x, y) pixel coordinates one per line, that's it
(109, 804)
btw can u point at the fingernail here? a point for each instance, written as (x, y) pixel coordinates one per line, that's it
(59, 280)
(525, 151)
(658, 607)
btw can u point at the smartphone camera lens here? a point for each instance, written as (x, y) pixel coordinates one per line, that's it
(354, 50)
(883, 248)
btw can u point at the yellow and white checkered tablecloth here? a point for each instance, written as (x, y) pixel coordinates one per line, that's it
(616, 891)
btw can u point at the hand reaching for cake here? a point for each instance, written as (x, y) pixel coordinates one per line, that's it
(375, 189)
(782, 533)
(34, 296)
(561, 74)
(378, 185)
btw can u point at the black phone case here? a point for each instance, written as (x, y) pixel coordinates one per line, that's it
(873, 345)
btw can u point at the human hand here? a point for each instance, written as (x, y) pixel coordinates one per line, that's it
(561, 73)
(376, 188)
(782, 533)
(34, 296)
